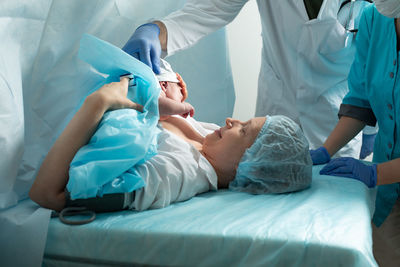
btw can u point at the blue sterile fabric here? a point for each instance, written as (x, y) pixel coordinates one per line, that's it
(328, 224)
(124, 137)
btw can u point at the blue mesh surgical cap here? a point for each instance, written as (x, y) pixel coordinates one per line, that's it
(278, 161)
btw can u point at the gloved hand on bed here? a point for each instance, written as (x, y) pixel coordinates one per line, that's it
(320, 156)
(352, 168)
(145, 45)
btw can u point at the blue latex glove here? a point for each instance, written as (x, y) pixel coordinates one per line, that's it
(367, 147)
(145, 46)
(351, 168)
(320, 156)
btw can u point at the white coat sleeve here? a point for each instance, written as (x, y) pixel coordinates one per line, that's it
(196, 19)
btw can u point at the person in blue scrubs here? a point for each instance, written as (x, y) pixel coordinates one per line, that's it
(374, 96)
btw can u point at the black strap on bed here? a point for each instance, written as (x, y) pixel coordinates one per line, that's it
(74, 211)
(90, 206)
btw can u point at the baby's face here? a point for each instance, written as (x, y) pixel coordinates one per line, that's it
(172, 90)
(225, 147)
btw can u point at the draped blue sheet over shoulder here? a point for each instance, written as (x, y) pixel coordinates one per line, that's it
(125, 137)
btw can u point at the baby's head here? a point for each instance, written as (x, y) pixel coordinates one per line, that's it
(171, 83)
(263, 155)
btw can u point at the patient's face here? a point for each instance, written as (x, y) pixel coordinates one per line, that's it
(225, 147)
(172, 90)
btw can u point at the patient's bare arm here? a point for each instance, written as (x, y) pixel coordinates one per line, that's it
(169, 107)
(49, 185)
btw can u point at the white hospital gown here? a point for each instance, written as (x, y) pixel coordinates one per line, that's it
(177, 173)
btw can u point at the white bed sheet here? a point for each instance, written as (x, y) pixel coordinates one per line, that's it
(327, 224)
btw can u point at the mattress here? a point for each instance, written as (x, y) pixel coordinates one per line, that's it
(327, 224)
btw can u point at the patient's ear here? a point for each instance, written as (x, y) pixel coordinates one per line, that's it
(164, 86)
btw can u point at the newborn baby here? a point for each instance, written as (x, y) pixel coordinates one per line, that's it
(173, 93)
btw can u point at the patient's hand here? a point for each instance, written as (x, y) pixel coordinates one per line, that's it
(169, 107)
(114, 96)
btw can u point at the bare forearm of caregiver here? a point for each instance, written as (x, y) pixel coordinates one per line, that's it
(346, 129)
(50, 182)
(388, 172)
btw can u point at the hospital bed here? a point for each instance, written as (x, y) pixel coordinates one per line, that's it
(325, 225)
(41, 81)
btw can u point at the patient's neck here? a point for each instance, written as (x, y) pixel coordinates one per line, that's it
(185, 131)
(224, 176)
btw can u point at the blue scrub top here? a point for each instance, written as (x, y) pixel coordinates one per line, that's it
(374, 82)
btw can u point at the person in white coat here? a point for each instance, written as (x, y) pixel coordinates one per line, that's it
(307, 52)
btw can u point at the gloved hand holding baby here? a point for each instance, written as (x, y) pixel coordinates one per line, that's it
(173, 93)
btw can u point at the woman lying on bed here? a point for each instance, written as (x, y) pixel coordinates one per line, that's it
(263, 155)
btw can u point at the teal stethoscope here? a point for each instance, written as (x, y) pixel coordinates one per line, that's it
(346, 13)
